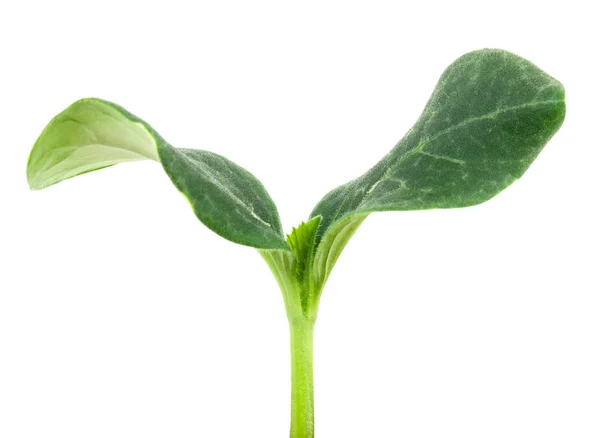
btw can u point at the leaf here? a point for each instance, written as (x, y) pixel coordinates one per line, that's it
(92, 134)
(490, 115)
(302, 241)
(88, 135)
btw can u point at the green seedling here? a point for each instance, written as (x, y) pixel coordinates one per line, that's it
(488, 118)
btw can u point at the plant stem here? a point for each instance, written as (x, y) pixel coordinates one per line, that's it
(301, 343)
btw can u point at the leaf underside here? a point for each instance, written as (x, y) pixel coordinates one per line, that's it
(93, 134)
(488, 118)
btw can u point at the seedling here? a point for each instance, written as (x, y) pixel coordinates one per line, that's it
(489, 116)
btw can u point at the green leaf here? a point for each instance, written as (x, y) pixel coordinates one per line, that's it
(490, 115)
(302, 242)
(88, 135)
(92, 134)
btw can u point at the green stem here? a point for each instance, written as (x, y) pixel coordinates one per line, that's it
(301, 342)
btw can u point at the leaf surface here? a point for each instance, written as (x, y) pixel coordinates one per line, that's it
(92, 134)
(488, 118)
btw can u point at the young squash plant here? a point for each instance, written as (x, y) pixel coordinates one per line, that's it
(488, 118)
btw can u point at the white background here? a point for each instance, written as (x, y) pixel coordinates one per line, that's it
(122, 316)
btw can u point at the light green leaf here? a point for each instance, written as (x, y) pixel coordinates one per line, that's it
(92, 134)
(302, 242)
(490, 115)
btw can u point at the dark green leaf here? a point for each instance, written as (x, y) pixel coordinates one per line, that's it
(92, 134)
(490, 115)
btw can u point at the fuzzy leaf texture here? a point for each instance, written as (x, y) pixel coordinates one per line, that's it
(488, 118)
(92, 134)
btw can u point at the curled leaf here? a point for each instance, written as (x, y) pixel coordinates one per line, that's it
(92, 134)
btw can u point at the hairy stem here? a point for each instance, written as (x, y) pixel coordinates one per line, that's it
(301, 343)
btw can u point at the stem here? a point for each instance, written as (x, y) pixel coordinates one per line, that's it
(301, 342)
(302, 323)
